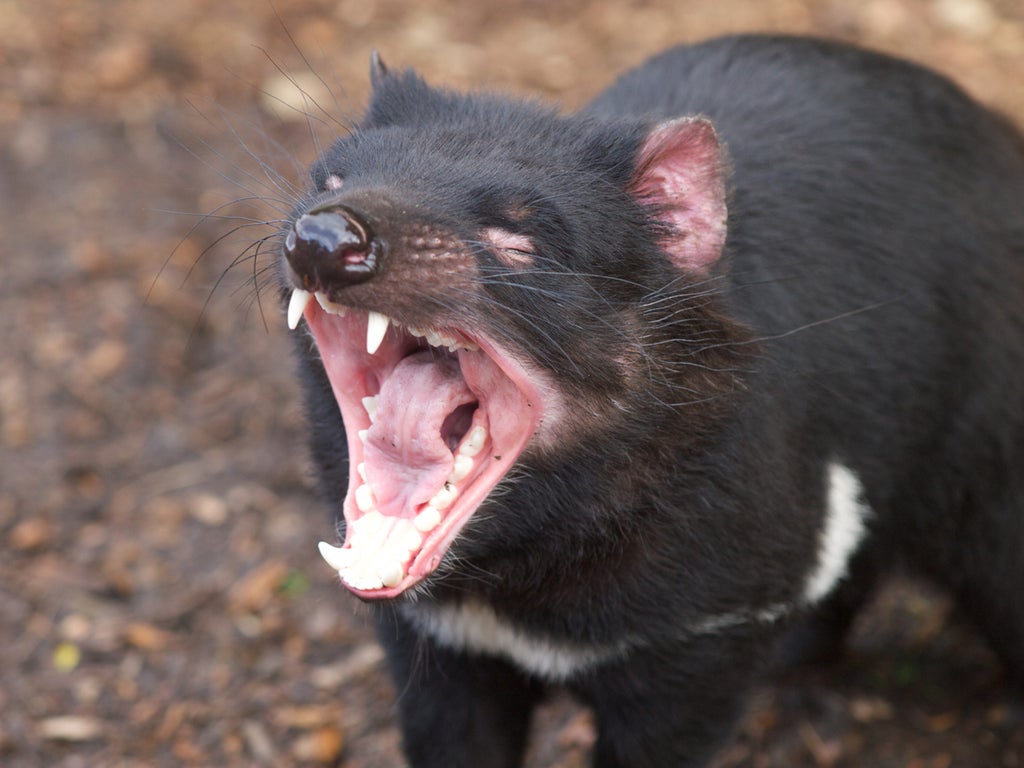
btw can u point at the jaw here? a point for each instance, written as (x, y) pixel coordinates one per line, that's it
(434, 419)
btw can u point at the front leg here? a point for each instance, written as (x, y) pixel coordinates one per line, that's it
(674, 705)
(457, 710)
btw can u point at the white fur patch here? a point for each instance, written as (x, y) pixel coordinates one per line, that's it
(475, 627)
(726, 621)
(845, 526)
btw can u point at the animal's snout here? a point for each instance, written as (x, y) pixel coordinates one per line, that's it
(332, 247)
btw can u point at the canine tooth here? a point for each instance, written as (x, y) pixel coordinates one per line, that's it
(339, 559)
(427, 520)
(461, 468)
(329, 306)
(370, 404)
(474, 441)
(361, 469)
(364, 498)
(362, 434)
(296, 306)
(444, 498)
(376, 326)
(390, 573)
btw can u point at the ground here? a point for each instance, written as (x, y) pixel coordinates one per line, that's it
(161, 600)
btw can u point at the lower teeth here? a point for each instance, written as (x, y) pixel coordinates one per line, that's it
(379, 545)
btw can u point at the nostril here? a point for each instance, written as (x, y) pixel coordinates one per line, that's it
(332, 247)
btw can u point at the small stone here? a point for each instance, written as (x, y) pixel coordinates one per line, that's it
(30, 535)
(123, 63)
(258, 587)
(146, 637)
(104, 360)
(208, 509)
(322, 746)
(869, 710)
(70, 728)
(971, 18)
(292, 98)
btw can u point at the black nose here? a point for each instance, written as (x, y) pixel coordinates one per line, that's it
(332, 247)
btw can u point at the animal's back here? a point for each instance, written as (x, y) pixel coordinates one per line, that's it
(876, 244)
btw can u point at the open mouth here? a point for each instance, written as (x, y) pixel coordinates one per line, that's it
(434, 418)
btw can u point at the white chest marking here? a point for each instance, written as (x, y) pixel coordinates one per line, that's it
(475, 627)
(845, 526)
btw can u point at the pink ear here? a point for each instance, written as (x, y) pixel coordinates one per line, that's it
(680, 172)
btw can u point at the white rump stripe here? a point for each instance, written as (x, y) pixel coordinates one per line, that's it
(845, 526)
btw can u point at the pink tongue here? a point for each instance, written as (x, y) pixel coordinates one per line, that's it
(407, 459)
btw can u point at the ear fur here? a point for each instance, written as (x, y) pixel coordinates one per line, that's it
(680, 173)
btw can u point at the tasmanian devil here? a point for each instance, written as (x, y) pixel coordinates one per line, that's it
(613, 399)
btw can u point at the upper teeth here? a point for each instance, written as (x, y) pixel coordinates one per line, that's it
(297, 306)
(329, 306)
(376, 323)
(376, 326)
(438, 339)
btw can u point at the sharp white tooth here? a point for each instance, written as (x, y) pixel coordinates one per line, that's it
(339, 559)
(461, 468)
(370, 404)
(362, 434)
(368, 533)
(361, 469)
(403, 540)
(376, 326)
(364, 498)
(370, 523)
(412, 539)
(329, 306)
(474, 441)
(362, 580)
(427, 520)
(296, 306)
(444, 498)
(390, 573)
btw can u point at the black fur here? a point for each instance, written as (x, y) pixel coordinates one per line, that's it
(868, 309)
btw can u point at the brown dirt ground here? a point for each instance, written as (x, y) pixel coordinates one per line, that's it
(161, 602)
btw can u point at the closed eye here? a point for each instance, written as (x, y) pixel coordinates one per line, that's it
(512, 248)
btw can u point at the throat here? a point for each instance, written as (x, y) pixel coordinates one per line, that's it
(423, 411)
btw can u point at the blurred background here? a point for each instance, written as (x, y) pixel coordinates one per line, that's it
(161, 600)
